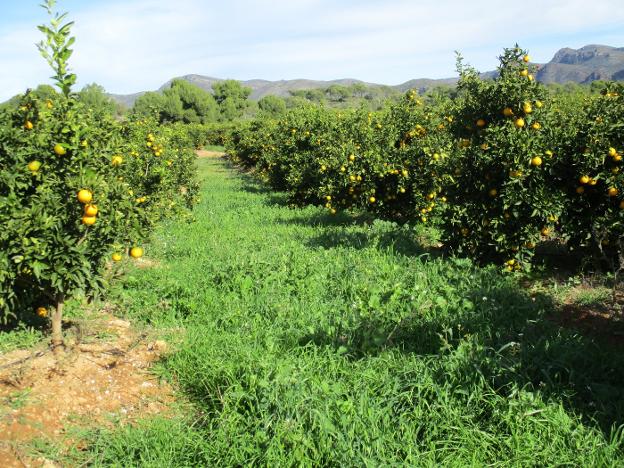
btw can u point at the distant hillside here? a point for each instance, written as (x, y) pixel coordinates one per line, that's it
(587, 64)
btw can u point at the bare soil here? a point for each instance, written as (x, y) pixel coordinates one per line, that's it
(102, 379)
(209, 154)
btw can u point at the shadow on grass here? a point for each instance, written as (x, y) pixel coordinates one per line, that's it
(512, 345)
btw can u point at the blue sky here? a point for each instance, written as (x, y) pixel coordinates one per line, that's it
(135, 45)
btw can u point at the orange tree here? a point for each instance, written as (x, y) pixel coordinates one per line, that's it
(384, 162)
(592, 178)
(67, 205)
(502, 195)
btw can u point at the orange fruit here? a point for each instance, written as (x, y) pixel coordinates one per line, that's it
(580, 190)
(116, 257)
(622, 205)
(90, 210)
(352, 157)
(507, 112)
(526, 59)
(116, 161)
(34, 166)
(524, 72)
(136, 252)
(493, 192)
(89, 220)
(584, 179)
(527, 108)
(28, 125)
(85, 196)
(613, 191)
(536, 126)
(519, 122)
(612, 152)
(539, 104)
(59, 149)
(545, 231)
(536, 161)
(480, 123)
(42, 312)
(372, 199)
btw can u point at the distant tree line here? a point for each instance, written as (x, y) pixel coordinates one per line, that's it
(229, 101)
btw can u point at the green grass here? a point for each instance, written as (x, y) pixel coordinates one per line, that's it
(317, 340)
(214, 148)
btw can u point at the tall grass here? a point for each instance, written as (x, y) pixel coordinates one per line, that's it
(319, 340)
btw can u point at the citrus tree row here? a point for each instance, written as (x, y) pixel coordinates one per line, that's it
(501, 167)
(78, 191)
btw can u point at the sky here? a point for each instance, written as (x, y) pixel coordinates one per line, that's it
(136, 45)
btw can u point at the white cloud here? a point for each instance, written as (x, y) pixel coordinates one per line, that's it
(129, 46)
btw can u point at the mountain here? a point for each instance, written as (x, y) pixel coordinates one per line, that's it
(584, 65)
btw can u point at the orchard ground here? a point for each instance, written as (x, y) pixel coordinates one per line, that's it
(297, 337)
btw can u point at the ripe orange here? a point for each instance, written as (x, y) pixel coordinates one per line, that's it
(42, 311)
(612, 152)
(536, 126)
(352, 157)
(328, 197)
(519, 122)
(584, 179)
(59, 149)
(117, 160)
(90, 210)
(613, 191)
(372, 199)
(545, 231)
(524, 72)
(136, 252)
(536, 161)
(527, 108)
(116, 257)
(28, 125)
(539, 104)
(333, 211)
(526, 59)
(34, 166)
(507, 112)
(480, 123)
(85, 196)
(89, 220)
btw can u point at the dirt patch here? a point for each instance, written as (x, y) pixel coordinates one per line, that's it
(602, 319)
(209, 154)
(101, 380)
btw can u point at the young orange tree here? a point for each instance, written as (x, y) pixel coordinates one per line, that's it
(65, 209)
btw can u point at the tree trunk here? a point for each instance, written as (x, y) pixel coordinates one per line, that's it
(57, 322)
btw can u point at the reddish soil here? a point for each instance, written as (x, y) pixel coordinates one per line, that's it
(101, 379)
(209, 154)
(604, 321)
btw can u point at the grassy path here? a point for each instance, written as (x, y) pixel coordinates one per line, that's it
(311, 339)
